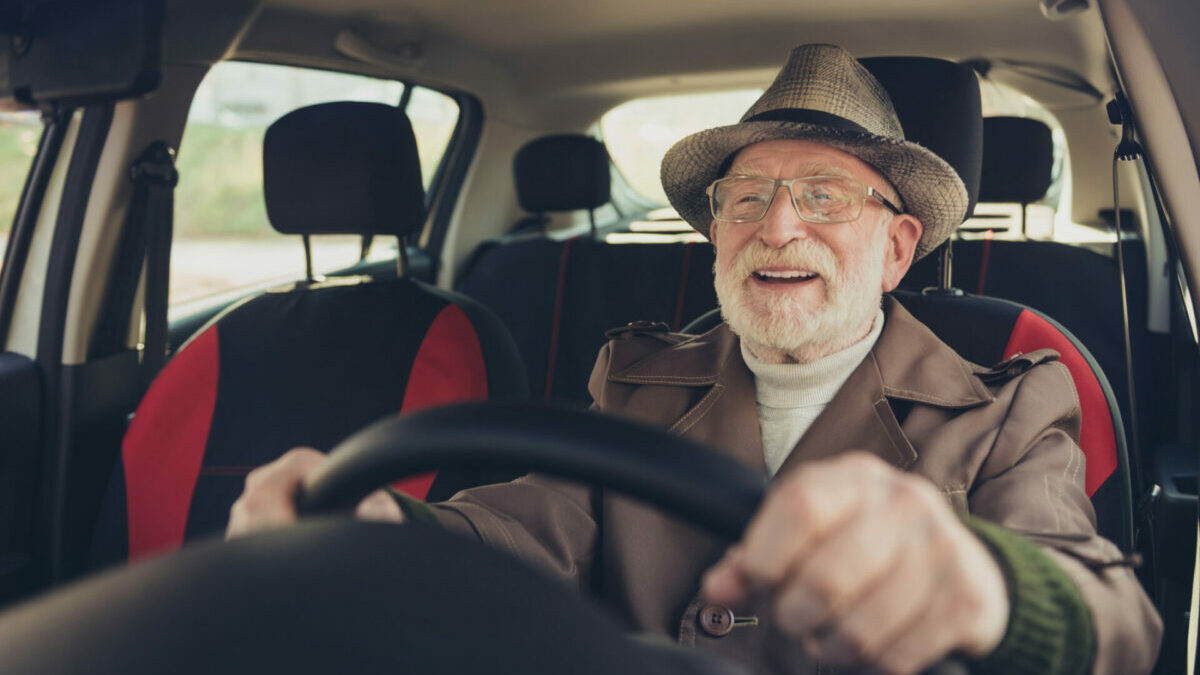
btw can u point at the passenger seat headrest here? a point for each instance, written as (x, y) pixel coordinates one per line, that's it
(939, 107)
(343, 168)
(1018, 155)
(565, 172)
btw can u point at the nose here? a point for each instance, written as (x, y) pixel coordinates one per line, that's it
(782, 224)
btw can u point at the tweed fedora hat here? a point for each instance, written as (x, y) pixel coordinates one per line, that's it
(823, 94)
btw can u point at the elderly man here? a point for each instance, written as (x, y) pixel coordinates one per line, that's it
(887, 542)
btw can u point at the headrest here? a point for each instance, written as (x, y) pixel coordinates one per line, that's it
(938, 104)
(1018, 154)
(343, 168)
(562, 173)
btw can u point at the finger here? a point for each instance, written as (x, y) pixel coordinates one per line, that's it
(808, 505)
(842, 567)
(883, 611)
(380, 506)
(725, 582)
(928, 639)
(268, 499)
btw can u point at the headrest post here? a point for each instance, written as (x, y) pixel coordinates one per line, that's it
(308, 266)
(402, 258)
(592, 221)
(367, 239)
(946, 265)
(1024, 223)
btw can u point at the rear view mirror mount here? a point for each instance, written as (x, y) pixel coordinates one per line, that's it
(63, 53)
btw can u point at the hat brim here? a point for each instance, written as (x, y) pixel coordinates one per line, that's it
(931, 190)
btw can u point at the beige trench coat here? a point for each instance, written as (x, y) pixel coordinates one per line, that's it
(1004, 451)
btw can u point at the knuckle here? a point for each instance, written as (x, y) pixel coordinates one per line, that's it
(852, 645)
(797, 501)
(828, 586)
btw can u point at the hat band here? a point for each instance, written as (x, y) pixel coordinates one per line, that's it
(804, 116)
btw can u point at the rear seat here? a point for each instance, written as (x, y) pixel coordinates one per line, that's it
(1077, 286)
(558, 297)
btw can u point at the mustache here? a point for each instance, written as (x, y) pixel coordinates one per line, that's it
(800, 253)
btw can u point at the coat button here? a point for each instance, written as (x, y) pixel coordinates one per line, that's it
(716, 620)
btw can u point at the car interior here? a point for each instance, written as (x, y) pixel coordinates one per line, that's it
(240, 226)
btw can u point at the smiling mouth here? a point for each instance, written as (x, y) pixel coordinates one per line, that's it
(784, 276)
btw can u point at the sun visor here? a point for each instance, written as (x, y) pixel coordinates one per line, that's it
(75, 52)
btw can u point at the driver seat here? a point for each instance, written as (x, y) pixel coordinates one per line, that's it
(310, 363)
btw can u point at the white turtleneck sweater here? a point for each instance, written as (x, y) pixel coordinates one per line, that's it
(791, 395)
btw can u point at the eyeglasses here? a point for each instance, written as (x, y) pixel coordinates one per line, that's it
(817, 199)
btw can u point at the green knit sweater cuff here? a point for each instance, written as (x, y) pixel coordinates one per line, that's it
(1049, 625)
(414, 509)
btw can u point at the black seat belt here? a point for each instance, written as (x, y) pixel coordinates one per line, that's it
(146, 238)
(1144, 494)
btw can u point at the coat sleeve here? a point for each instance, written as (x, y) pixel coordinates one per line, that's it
(548, 523)
(1032, 484)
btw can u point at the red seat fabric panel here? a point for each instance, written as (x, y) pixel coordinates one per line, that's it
(449, 368)
(159, 480)
(1096, 436)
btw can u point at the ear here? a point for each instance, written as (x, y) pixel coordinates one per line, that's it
(712, 233)
(904, 231)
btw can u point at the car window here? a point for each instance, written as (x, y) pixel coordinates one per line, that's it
(223, 240)
(19, 134)
(639, 132)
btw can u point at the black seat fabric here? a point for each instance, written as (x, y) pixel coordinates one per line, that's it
(559, 298)
(1018, 157)
(564, 172)
(309, 364)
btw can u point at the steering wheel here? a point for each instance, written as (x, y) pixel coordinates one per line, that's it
(675, 474)
(337, 595)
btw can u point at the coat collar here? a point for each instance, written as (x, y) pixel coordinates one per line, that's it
(907, 363)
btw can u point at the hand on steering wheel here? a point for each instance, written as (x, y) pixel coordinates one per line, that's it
(863, 563)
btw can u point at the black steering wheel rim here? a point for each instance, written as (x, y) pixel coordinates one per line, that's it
(682, 477)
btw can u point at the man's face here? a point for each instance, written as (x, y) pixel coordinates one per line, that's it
(804, 290)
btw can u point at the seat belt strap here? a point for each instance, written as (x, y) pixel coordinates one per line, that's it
(146, 235)
(154, 175)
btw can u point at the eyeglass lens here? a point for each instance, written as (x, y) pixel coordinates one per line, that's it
(821, 199)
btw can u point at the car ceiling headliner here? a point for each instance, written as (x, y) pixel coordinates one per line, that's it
(622, 48)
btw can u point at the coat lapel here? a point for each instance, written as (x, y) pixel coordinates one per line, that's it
(908, 363)
(723, 413)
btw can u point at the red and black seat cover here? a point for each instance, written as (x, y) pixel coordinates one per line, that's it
(989, 330)
(310, 364)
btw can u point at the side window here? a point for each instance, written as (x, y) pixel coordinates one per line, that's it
(223, 240)
(19, 134)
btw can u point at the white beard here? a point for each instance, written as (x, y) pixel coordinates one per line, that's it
(777, 322)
